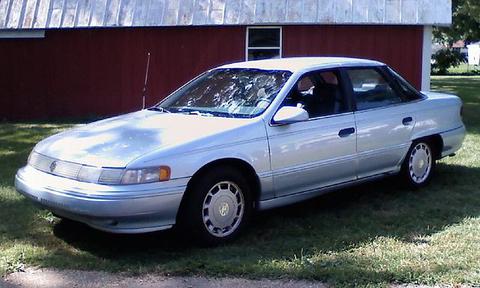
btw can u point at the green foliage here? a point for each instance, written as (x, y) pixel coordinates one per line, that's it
(466, 23)
(444, 59)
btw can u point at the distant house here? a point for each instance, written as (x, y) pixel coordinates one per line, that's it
(474, 53)
(75, 58)
(460, 47)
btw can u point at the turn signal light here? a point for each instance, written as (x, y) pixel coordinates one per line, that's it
(164, 174)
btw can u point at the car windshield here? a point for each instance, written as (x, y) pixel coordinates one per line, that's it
(237, 93)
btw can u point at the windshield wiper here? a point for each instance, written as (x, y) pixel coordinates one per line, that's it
(195, 112)
(159, 109)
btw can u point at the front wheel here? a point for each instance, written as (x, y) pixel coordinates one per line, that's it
(419, 164)
(217, 207)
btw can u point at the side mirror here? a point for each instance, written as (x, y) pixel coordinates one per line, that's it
(289, 115)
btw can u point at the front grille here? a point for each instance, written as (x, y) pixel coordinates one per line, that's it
(65, 169)
(74, 171)
(111, 176)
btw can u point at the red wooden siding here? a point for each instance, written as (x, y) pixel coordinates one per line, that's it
(78, 73)
(398, 46)
(96, 72)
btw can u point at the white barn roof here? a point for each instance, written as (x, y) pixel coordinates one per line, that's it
(41, 14)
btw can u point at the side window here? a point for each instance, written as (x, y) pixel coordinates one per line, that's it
(371, 90)
(319, 93)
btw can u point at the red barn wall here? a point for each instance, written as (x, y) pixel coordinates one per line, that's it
(99, 72)
(398, 46)
(92, 72)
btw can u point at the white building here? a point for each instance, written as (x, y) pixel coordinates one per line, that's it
(474, 54)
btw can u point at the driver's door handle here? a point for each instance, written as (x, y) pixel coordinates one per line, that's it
(346, 132)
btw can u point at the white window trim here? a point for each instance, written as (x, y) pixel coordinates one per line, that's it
(22, 34)
(247, 48)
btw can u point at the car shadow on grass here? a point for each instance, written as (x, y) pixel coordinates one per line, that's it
(335, 222)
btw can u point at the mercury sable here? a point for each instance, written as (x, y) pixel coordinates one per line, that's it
(244, 136)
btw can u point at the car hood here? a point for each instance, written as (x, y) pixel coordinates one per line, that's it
(117, 141)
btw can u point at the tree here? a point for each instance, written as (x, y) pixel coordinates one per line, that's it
(465, 26)
(445, 59)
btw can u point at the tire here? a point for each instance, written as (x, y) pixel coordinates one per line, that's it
(419, 164)
(217, 207)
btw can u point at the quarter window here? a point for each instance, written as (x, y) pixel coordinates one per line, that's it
(371, 90)
(264, 43)
(409, 93)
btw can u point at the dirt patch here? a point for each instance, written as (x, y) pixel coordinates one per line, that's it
(51, 278)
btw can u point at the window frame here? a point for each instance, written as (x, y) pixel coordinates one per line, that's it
(247, 37)
(22, 34)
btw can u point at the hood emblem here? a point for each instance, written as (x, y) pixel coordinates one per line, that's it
(53, 166)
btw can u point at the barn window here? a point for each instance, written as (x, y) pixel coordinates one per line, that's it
(264, 43)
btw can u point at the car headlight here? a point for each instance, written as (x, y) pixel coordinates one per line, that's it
(146, 175)
(91, 174)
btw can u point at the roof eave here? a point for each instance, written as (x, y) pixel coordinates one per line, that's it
(43, 14)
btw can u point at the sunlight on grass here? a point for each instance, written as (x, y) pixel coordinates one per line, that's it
(464, 68)
(374, 234)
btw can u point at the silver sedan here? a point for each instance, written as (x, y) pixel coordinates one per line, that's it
(245, 136)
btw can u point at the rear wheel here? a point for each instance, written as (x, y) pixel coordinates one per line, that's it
(217, 206)
(419, 164)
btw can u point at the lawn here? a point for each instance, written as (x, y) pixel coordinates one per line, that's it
(375, 234)
(464, 68)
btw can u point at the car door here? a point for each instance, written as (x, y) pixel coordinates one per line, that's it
(384, 122)
(321, 151)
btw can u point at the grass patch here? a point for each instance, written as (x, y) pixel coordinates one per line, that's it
(373, 234)
(464, 69)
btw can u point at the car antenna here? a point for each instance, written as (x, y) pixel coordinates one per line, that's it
(144, 91)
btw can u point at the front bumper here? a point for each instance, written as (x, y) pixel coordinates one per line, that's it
(118, 209)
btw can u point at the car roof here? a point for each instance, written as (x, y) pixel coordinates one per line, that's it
(294, 64)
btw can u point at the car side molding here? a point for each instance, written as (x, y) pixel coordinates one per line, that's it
(299, 197)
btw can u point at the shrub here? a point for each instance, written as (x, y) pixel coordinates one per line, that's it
(444, 59)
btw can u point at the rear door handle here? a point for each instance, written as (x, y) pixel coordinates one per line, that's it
(407, 121)
(346, 132)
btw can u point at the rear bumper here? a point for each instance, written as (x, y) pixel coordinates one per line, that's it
(452, 140)
(119, 209)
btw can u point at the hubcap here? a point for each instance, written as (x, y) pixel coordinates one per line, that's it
(223, 209)
(420, 163)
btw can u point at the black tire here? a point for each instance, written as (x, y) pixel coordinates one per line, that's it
(221, 206)
(417, 171)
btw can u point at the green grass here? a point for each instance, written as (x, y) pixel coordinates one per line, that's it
(374, 234)
(464, 68)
